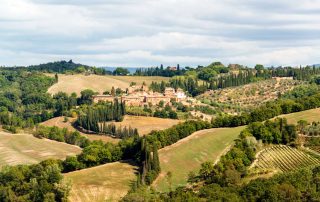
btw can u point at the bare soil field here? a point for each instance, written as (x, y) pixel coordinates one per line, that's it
(77, 83)
(109, 182)
(146, 124)
(59, 122)
(25, 149)
(189, 153)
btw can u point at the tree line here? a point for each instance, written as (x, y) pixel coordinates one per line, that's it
(160, 71)
(118, 132)
(61, 135)
(217, 77)
(90, 117)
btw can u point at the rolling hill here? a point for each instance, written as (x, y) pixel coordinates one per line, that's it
(189, 153)
(25, 149)
(109, 182)
(77, 83)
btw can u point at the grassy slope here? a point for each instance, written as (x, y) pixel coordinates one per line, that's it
(308, 115)
(79, 82)
(146, 124)
(188, 154)
(107, 182)
(59, 122)
(26, 149)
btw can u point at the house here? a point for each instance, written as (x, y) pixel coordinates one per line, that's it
(141, 96)
(104, 98)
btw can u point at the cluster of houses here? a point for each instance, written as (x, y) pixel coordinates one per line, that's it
(140, 96)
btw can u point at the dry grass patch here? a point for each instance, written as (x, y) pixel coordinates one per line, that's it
(25, 149)
(77, 83)
(189, 153)
(109, 182)
(146, 124)
(59, 122)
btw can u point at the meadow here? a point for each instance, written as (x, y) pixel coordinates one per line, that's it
(25, 149)
(78, 82)
(109, 182)
(189, 153)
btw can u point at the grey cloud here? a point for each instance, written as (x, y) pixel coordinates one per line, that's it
(148, 32)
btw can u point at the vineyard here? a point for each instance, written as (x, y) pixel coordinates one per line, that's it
(234, 99)
(283, 158)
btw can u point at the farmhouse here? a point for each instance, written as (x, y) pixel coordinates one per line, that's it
(140, 96)
(104, 98)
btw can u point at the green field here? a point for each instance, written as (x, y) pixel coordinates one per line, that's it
(188, 154)
(109, 182)
(26, 149)
(308, 115)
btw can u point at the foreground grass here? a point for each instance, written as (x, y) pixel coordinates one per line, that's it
(109, 182)
(188, 154)
(25, 149)
(77, 83)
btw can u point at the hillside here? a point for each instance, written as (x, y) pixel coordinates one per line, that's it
(308, 115)
(187, 154)
(107, 182)
(77, 83)
(26, 149)
(234, 99)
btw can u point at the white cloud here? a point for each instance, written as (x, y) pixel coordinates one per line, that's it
(149, 32)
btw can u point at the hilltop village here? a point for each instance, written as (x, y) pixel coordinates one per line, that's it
(141, 96)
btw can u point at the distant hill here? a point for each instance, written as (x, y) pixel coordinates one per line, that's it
(59, 67)
(62, 67)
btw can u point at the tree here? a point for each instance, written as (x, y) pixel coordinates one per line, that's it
(121, 71)
(113, 92)
(87, 96)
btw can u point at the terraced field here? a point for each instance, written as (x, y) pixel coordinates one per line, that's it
(283, 158)
(77, 83)
(235, 99)
(109, 182)
(25, 149)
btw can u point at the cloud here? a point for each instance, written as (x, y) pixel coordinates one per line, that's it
(150, 32)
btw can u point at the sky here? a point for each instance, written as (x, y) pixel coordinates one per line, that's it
(138, 33)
